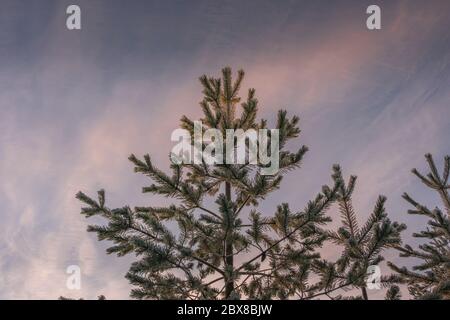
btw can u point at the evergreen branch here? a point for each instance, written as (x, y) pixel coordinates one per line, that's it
(264, 252)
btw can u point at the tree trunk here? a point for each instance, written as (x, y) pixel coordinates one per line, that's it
(364, 293)
(229, 285)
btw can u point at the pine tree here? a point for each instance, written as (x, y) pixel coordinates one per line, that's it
(361, 247)
(187, 264)
(431, 278)
(223, 246)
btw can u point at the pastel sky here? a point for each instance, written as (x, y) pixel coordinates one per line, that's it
(75, 104)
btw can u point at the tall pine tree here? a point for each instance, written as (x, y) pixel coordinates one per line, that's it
(226, 248)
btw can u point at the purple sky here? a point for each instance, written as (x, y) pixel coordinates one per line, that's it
(75, 104)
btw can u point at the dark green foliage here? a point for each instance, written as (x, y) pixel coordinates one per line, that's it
(231, 250)
(430, 279)
(192, 262)
(361, 247)
(393, 293)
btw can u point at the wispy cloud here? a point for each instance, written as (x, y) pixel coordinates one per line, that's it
(74, 108)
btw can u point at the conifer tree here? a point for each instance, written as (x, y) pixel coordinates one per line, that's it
(223, 246)
(189, 263)
(431, 278)
(361, 247)
(297, 271)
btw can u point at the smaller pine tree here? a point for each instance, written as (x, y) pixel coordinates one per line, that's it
(361, 246)
(431, 278)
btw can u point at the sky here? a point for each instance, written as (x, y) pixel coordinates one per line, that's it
(75, 103)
